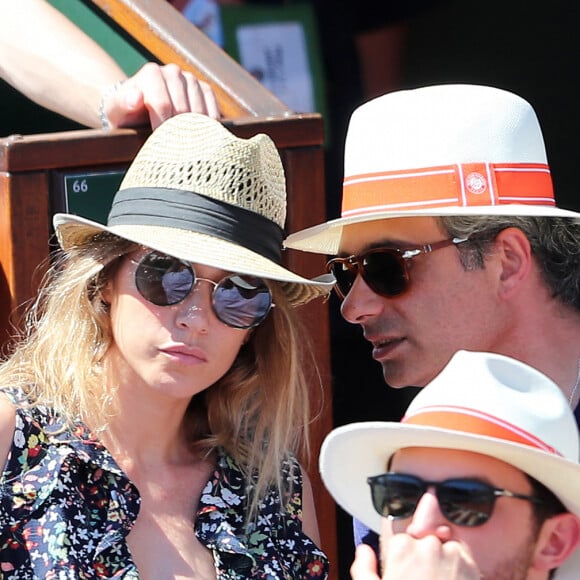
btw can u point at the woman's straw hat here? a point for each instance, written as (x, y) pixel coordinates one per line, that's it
(199, 193)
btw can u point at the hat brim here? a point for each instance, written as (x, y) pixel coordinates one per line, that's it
(325, 238)
(199, 248)
(351, 453)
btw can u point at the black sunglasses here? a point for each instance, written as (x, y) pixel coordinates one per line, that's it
(238, 300)
(464, 502)
(385, 270)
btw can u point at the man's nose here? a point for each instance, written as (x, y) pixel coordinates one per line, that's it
(361, 302)
(427, 518)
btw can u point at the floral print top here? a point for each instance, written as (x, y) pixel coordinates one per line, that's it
(66, 509)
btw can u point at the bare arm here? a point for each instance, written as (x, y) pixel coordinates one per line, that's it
(50, 60)
(54, 63)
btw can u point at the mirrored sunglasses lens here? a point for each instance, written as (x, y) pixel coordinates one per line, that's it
(384, 272)
(242, 301)
(466, 503)
(395, 496)
(401, 497)
(163, 280)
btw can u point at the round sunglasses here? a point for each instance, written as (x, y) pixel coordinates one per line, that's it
(238, 300)
(385, 270)
(463, 502)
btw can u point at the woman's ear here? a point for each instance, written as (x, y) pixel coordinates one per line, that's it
(105, 294)
(559, 537)
(515, 254)
(248, 336)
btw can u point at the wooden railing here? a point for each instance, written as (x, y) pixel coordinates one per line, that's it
(170, 37)
(35, 169)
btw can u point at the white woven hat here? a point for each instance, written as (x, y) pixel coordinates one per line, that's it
(480, 402)
(199, 193)
(437, 151)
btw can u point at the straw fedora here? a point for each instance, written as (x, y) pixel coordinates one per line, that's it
(199, 193)
(440, 150)
(480, 402)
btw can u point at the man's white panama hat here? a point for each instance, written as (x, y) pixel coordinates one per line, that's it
(441, 150)
(480, 402)
(197, 192)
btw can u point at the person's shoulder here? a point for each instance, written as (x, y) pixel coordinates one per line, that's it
(7, 414)
(7, 425)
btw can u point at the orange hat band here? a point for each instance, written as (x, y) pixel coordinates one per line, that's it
(475, 422)
(461, 185)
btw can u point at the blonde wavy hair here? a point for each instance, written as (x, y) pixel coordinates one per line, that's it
(258, 412)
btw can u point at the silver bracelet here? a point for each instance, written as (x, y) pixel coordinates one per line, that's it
(109, 92)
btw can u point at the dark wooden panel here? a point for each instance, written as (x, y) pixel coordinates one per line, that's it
(307, 206)
(23, 240)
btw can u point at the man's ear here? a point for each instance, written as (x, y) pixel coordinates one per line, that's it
(557, 540)
(514, 251)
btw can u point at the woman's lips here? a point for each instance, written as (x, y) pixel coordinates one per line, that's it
(185, 354)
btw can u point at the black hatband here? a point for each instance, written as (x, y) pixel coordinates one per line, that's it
(186, 210)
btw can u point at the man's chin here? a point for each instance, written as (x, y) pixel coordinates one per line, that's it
(397, 378)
